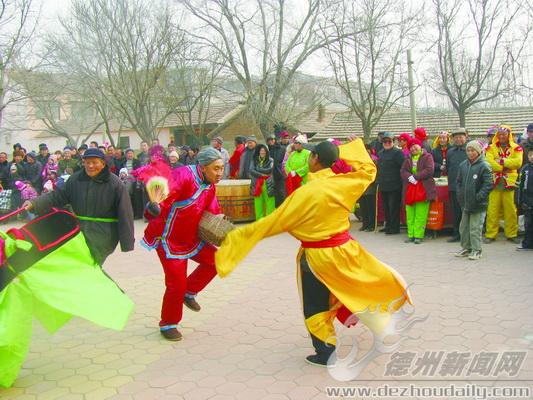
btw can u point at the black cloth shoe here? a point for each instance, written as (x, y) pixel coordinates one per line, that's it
(454, 239)
(392, 232)
(409, 240)
(315, 359)
(171, 334)
(191, 304)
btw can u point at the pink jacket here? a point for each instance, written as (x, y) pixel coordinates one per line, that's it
(176, 227)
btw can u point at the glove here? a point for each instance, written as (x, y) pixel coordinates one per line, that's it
(292, 173)
(412, 180)
(153, 209)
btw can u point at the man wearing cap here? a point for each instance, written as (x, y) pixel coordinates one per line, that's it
(337, 277)
(278, 154)
(217, 143)
(44, 154)
(527, 145)
(247, 157)
(390, 161)
(100, 201)
(235, 159)
(173, 231)
(454, 157)
(505, 158)
(297, 165)
(67, 161)
(32, 171)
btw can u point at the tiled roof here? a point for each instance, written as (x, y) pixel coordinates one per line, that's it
(477, 122)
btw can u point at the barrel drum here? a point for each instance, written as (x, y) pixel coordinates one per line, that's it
(235, 199)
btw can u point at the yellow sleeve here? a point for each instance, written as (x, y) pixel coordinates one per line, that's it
(355, 155)
(239, 242)
(489, 156)
(514, 161)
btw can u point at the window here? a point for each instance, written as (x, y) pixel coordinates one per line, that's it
(124, 142)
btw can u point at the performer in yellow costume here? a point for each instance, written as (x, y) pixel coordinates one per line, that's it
(505, 158)
(336, 276)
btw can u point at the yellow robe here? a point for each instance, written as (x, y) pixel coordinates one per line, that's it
(316, 212)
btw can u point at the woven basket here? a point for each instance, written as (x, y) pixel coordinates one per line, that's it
(213, 228)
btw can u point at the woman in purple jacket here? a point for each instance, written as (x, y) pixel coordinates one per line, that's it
(418, 190)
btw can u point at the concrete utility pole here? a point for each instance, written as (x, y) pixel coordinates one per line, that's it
(411, 89)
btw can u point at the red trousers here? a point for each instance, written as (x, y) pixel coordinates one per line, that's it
(177, 283)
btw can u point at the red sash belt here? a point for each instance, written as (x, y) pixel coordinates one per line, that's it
(334, 241)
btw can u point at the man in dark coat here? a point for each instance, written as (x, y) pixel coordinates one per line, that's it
(454, 157)
(44, 154)
(527, 144)
(32, 171)
(4, 170)
(390, 161)
(278, 154)
(247, 158)
(100, 201)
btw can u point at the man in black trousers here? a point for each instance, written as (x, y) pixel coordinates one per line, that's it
(390, 161)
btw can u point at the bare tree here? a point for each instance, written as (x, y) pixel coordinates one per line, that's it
(197, 83)
(18, 20)
(263, 44)
(476, 50)
(125, 49)
(367, 65)
(56, 107)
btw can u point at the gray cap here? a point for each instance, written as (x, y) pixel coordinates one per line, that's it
(251, 138)
(460, 131)
(388, 135)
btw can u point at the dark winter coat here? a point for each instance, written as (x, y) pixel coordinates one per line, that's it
(103, 196)
(525, 196)
(389, 164)
(257, 171)
(4, 174)
(277, 155)
(246, 163)
(438, 159)
(454, 158)
(526, 146)
(474, 183)
(33, 174)
(425, 168)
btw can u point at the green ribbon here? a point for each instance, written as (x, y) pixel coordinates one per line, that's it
(96, 219)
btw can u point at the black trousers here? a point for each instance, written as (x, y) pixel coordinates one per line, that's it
(315, 300)
(528, 238)
(391, 202)
(457, 212)
(368, 210)
(280, 192)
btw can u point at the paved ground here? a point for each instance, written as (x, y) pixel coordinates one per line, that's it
(249, 340)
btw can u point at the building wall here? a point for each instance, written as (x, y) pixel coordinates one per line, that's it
(242, 126)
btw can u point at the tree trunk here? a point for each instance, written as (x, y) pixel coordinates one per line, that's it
(367, 131)
(461, 112)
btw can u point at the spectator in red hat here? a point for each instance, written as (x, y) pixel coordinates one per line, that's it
(403, 140)
(421, 134)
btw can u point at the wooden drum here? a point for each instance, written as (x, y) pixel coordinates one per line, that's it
(235, 199)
